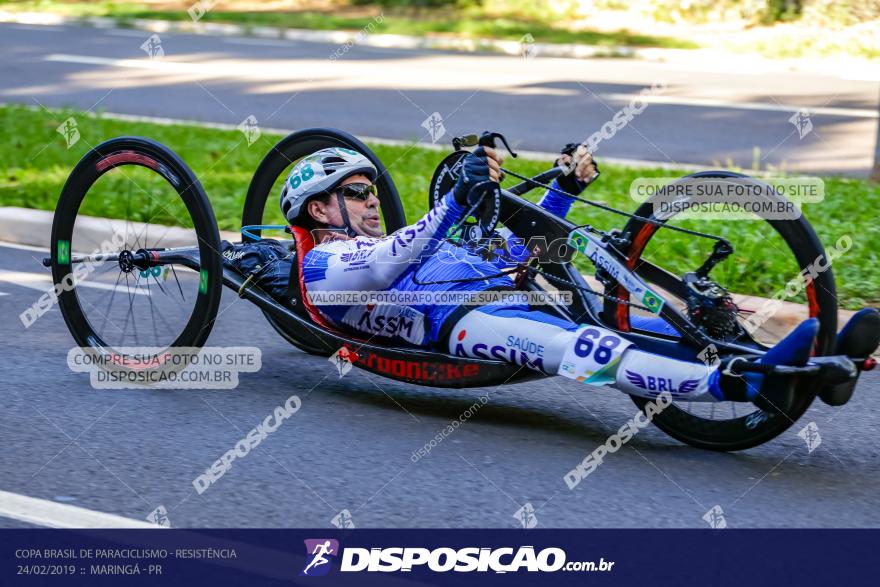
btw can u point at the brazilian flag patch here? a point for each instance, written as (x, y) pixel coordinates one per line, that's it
(63, 252)
(652, 301)
(578, 242)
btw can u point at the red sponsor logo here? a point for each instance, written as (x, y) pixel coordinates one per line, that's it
(416, 370)
(126, 157)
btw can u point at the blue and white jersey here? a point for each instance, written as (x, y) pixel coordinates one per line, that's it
(416, 253)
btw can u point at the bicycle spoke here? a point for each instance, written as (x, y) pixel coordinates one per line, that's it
(112, 296)
(157, 283)
(153, 315)
(134, 318)
(178, 282)
(129, 313)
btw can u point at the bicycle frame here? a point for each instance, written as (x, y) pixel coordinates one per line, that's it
(529, 221)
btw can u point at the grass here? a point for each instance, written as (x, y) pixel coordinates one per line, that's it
(793, 41)
(442, 22)
(35, 162)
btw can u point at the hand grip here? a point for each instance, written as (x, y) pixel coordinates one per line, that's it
(487, 139)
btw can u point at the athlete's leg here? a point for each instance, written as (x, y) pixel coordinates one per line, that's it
(596, 355)
(590, 354)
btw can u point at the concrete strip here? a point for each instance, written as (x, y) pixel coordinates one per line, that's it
(33, 227)
(43, 282)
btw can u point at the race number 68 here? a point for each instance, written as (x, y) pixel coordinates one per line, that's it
(591, 342)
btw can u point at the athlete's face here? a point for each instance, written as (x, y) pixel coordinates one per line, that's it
(363, 214)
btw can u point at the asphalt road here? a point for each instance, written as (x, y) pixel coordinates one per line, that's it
(709, 113)
(350, 445)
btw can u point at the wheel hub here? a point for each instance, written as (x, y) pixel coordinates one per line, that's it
(126, 261)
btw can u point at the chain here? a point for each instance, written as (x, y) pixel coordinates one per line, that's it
(587, 290)
(610, 209)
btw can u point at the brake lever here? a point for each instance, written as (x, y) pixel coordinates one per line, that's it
(487, 139)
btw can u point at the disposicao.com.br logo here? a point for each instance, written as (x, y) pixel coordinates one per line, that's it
(318, 553)
(442, 560)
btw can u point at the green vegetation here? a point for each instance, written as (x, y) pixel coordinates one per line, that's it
(35, 163)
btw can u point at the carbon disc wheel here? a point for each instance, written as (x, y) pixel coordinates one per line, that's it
(107, 298)
(773, 254)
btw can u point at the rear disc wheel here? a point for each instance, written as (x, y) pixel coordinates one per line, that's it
(772, 253)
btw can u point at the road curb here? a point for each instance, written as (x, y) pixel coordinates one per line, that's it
(25, 226)
(867, 70)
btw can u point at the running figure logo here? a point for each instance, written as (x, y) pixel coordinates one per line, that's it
(69, 131)
(434, 125)
(318, 551)
(343, 359)
(153, 47)
(801, 121)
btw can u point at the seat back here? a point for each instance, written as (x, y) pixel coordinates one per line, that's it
(297, 294)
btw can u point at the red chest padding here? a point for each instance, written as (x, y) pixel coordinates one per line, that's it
(304, 244)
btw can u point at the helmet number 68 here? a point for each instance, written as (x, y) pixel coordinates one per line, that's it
(306, 174)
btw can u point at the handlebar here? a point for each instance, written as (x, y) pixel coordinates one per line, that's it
(487, 139)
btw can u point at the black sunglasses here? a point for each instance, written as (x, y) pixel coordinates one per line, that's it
(358, 191)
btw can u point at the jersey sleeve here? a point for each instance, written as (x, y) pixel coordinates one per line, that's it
(371, 264)
(557, 202)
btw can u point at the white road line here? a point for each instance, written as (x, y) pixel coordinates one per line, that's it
(43, 282)
(225, 70)
(264, 42)
(24, 247)
(38, 27)
(43, 512)
(710, 103)
(128, 33)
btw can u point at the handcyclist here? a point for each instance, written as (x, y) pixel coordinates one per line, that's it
(332, 193)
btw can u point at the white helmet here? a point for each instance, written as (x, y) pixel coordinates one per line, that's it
(321, 173)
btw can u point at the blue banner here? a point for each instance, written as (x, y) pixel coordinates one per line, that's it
(437, 557)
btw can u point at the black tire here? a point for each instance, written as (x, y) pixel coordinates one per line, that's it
(283, 155)
(758, 427)
(142, 152)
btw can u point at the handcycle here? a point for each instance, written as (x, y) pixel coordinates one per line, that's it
(629, 283)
